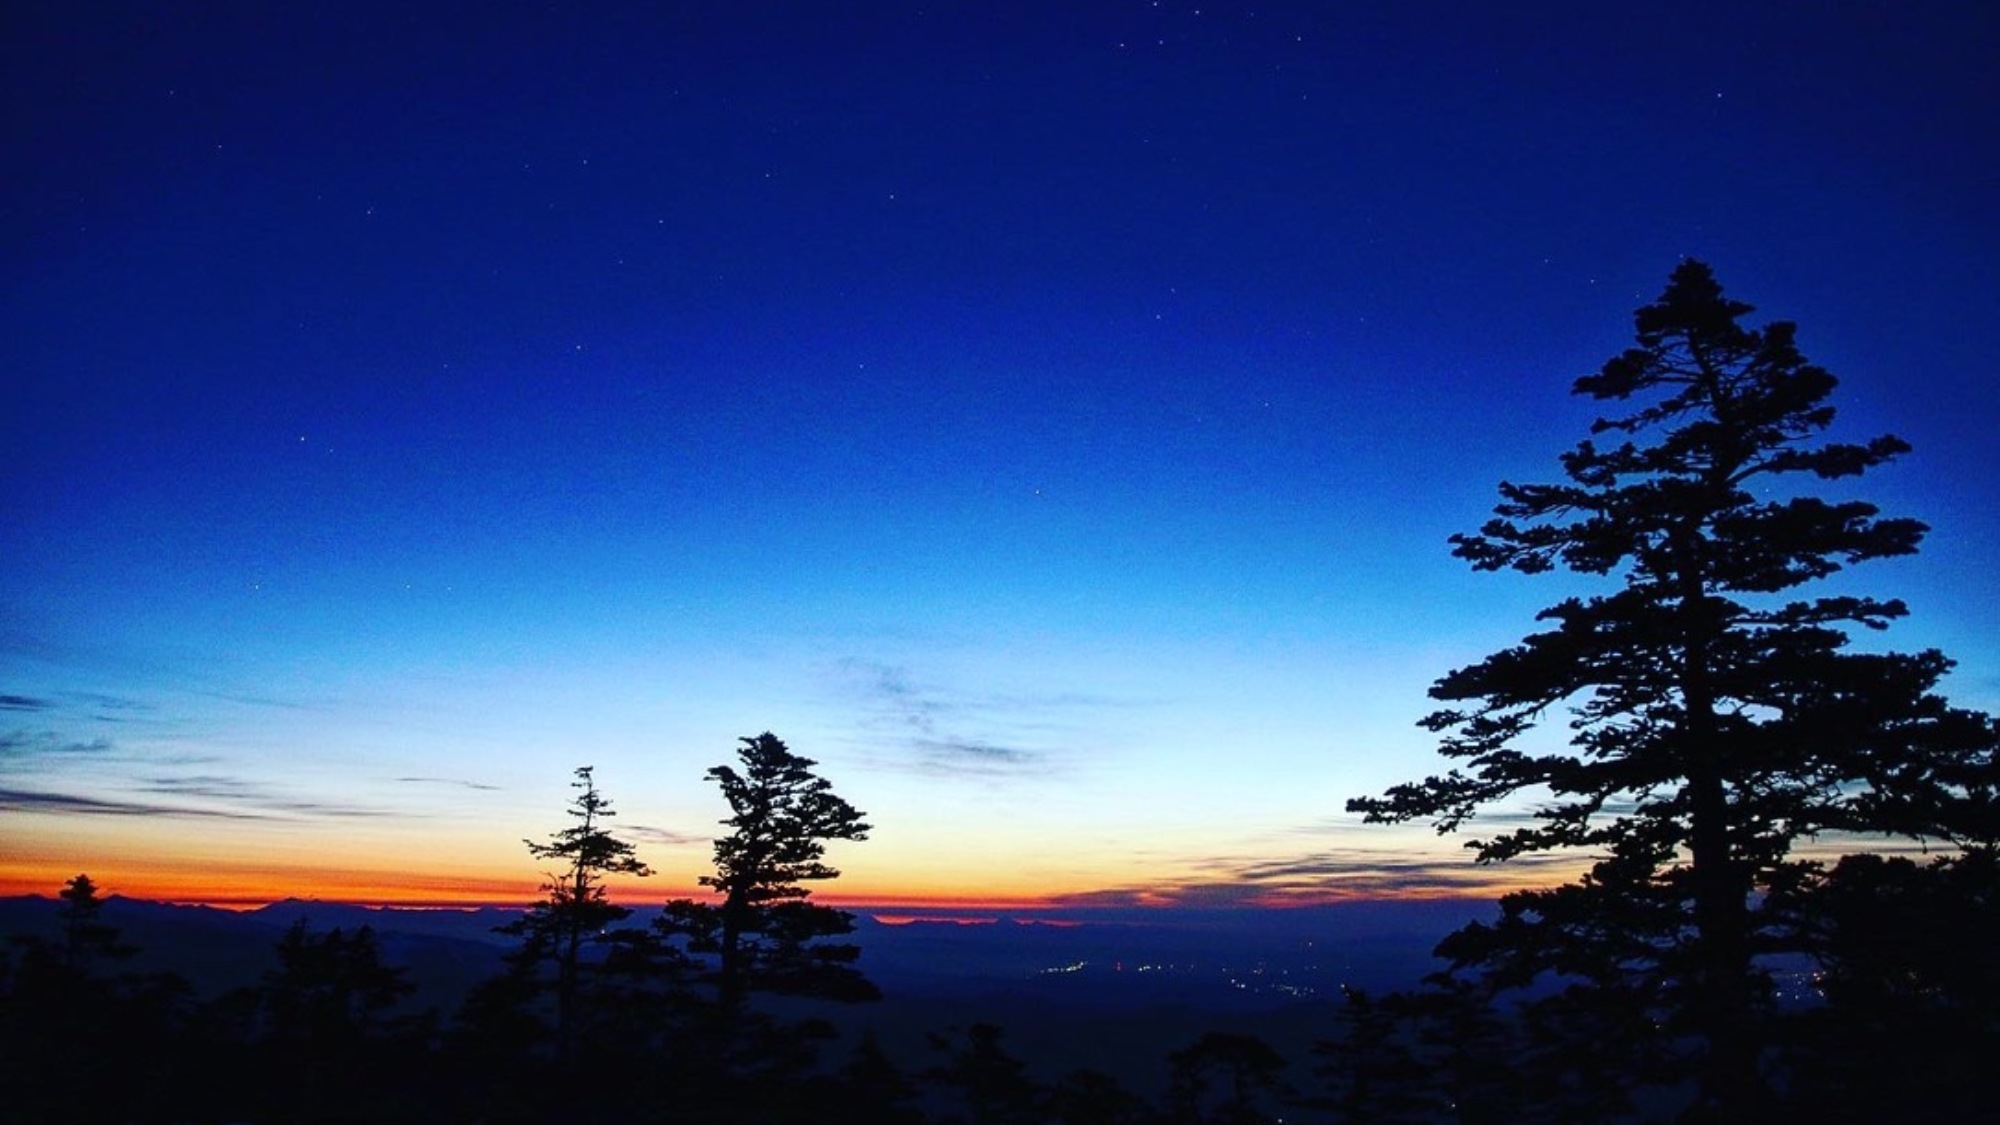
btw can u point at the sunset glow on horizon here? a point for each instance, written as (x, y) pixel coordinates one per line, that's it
(1051, 423)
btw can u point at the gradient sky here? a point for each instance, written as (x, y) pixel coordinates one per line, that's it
(1049, 417)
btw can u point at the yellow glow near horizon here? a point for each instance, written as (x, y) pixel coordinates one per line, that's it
(242, 863)
(249, 883)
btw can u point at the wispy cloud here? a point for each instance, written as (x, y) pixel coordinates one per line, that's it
(32, 801)
(978, 751)
(69, 706)
(1332, 876)
(212, 786)
(1371, 875)
(928, 728)
(112, 708)
(163, 671)
(183, 759)
(251, 798)
(107, 702)
(23, 746)
(253, 699)
(665, 837)
(897, 698)
(1189, 894)
(44, 751)
(457, 781)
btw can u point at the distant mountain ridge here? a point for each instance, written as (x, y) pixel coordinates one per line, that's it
(1222, 958)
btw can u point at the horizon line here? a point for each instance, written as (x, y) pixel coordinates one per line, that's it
(889, 910)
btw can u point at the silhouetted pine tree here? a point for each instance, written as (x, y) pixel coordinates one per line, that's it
(574, 1026)
(334, 1051)
(79, 1043)
(1226, 1078)
(574, 917)
(872, 1088)
(87, 943)
(981, 1082)
(1377, 1071)
(1091, 1097)
(1472, 1050)
(1909, 971)
(495, 1046)
(765, 935)
(331, 987)
(1715, 720)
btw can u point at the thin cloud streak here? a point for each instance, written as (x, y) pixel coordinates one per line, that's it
(952, 750)
(262, 800)
(109, 702)
(460, 782)
(935, 728)
(27, 745)
(665, 837)
(1331, 877)
(32, 801)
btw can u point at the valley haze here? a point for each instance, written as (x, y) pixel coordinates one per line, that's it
(1222, 957)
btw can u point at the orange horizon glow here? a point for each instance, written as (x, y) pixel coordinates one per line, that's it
(247, 873)
(418, 894)
(372, 889)
(246, 885)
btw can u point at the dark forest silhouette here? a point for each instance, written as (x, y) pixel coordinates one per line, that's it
(1717, 723)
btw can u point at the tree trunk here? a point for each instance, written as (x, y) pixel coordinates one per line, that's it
(1720, 970)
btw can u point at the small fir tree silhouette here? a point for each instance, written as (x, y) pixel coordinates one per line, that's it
(1227, 1078)
(984, 1081)
(577, 911)
(87, 942)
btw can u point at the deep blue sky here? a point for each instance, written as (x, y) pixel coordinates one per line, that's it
(1048, 416)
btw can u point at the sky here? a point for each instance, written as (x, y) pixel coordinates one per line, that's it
(1047, 417)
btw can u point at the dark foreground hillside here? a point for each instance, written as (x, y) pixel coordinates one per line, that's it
(135, 1011)
(230, 993)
